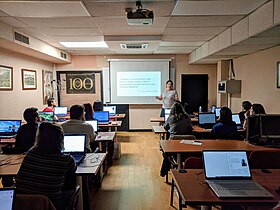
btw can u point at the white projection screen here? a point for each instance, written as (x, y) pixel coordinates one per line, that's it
(137, 81)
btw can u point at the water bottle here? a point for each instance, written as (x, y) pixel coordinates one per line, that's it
(200, 109)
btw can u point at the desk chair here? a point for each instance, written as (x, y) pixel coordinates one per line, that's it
(33, 202)
(73, 200)
(266, 159)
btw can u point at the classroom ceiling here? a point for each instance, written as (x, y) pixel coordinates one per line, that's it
(179, 27)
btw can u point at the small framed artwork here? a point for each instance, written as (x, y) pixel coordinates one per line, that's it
(47, 77)
(29, 80)
(278, 74)
(6, 78)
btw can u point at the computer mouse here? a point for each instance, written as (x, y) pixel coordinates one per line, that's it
(99, 137)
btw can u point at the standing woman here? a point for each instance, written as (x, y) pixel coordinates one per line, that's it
(168, 97)
(45, 170)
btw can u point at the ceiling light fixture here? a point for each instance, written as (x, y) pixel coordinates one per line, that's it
(84, 44)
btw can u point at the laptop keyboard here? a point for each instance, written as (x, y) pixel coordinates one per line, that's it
(237, 186)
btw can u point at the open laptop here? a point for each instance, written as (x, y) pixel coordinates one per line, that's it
(206, 120)
(228, 174)
(111, 109)
(213, 109)
(75, 145)
(236, 119)
(46, 116)
(9, 128)
(7, 198)
(94, 125)
(60, 111)
(102, 117)
(166, 113)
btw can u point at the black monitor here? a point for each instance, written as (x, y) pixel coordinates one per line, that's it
(253, 129)
(270, 126)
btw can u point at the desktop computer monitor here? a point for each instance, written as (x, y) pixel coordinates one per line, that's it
(270, 126)
(253, 129)
(111, 109)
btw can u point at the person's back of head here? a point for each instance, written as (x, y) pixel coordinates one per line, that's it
(98, 106)
(31, 115)
(177, 110)
(225, 115)
(76, 112)
(258, 109)
(50, 101)
(88, 111)
(49, 138)
(246, 105)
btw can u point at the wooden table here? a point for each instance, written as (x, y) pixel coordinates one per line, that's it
(160, 120)
(112, 124)
(193, 190)
(106, 143)
(174, 146)
(158, 129)
(117, 116)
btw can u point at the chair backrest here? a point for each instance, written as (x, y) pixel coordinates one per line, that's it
(32, 202)
(265, 159)
(181, 137)
(73, 200)
(193, 163)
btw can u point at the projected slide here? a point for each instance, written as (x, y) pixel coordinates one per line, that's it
(138, 83)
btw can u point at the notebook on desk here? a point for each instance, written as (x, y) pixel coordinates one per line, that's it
(75, 145)
(206, 120)
(102, 117)
(228, 174)
(9, 128)
(94, 125)
(7, 198)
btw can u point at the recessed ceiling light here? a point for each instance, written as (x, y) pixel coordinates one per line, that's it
(84, 44)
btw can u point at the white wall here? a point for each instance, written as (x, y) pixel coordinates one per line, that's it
(13, 103)
(258, 74)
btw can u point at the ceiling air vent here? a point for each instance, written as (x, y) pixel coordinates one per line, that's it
(63, 55)
(134, 46)
(21, 38)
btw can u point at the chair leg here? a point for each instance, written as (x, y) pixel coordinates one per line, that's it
(172, 193)
(166, 178)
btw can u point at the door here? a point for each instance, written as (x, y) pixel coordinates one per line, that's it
(194, 91)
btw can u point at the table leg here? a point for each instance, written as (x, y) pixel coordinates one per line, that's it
(80, 202)
(172, 193)
(180, 202)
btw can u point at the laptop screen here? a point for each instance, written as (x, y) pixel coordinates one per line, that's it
(206, 118)
(236, 119)
(166, 113)
(9, 126)
(7, 196)
(46, 116)
(94, 124)
(60, 111)
(213, 109)
(74, 143)
(217, 111)
(226, 164)
(110, 109)
(102, 116)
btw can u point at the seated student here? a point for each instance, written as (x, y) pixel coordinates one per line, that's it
(77, 124)
(27, 132)
(225, 128)
(178, 122)
(98, 106)
(255, 109)
(88, 111)
(45, 170)
(246, 106)
(50, 108)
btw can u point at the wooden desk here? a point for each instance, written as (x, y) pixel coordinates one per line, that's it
(117, 116)
(193, 190)
(158, 129)
(8, 141)
(174, 146)
(106, 143)
(112, 124)
(160, 120)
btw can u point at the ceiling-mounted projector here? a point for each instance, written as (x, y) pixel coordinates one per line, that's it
(140, 16)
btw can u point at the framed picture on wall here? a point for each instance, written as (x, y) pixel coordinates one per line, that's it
(6, 78)
(278, 74)
(47, 81)
(29, 79)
